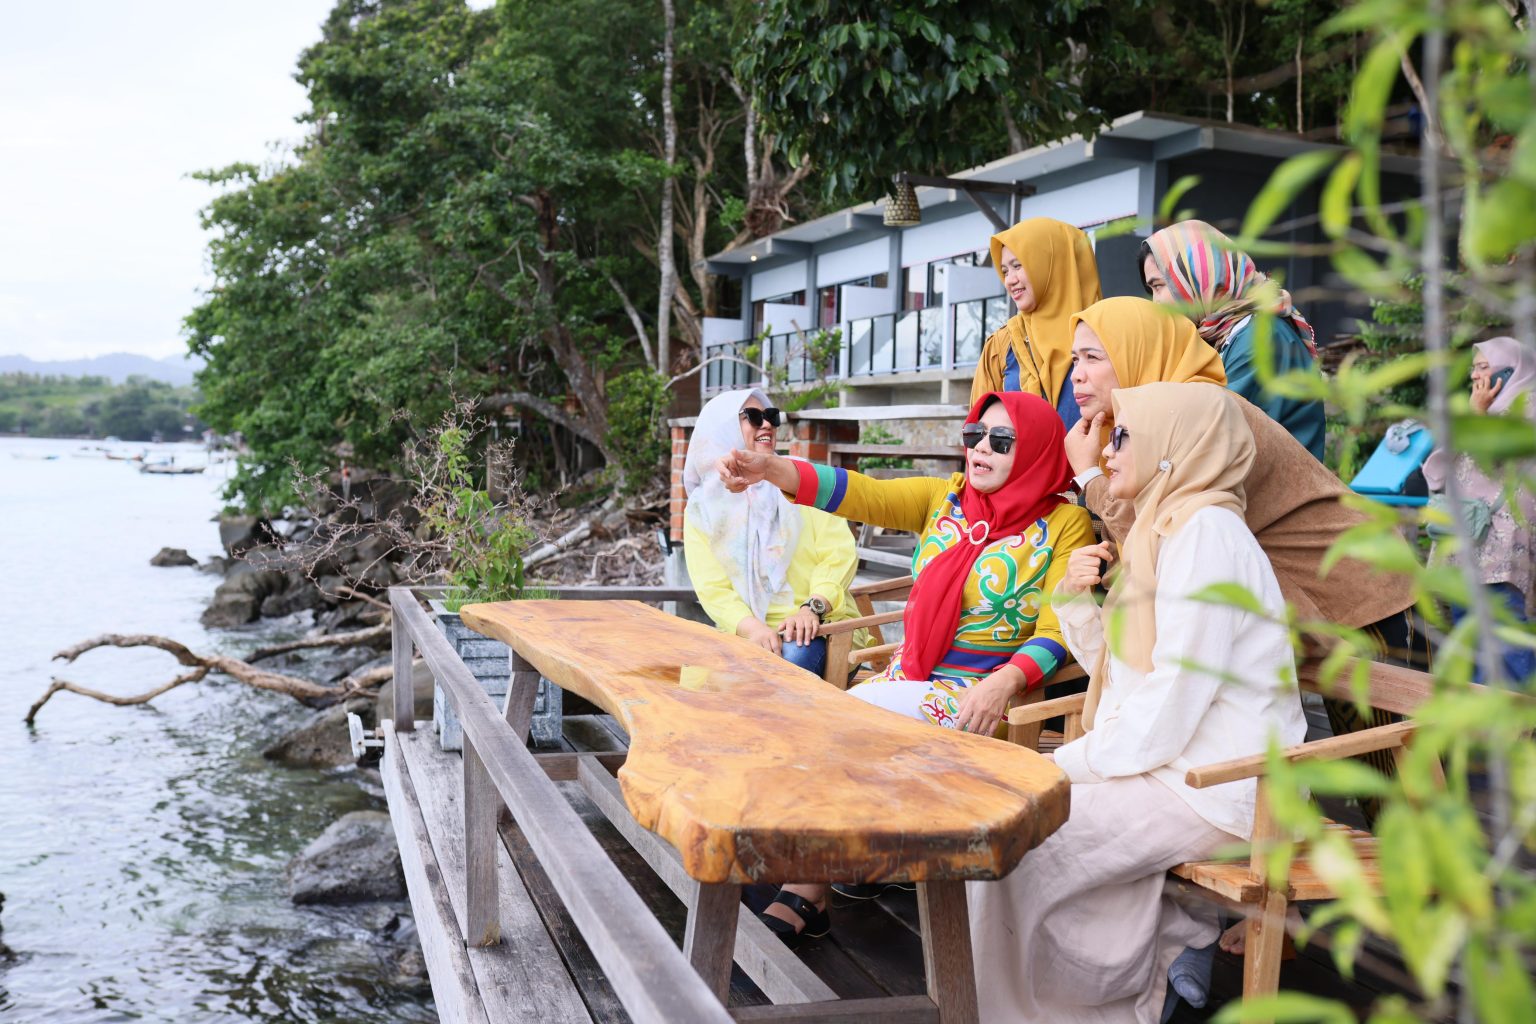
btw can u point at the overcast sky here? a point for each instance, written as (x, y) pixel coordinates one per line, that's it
(104, 109)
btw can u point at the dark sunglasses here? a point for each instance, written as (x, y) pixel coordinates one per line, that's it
(757, 416)
(1117, 438)
(1002, 437)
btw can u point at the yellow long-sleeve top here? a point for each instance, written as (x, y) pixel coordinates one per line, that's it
(824, 564)
(1005, 614)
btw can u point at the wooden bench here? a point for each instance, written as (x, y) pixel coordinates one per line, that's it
(1241, 884)
(750, 771)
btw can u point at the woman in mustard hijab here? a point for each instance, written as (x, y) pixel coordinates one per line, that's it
(1050, 273)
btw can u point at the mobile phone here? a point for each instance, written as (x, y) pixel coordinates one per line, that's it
(1502, 377)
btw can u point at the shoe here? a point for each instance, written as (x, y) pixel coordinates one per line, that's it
(870, 890)
(816, 923)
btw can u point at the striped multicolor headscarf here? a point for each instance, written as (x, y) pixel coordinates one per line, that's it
(1214, 281)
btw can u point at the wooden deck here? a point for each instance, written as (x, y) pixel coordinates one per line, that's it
(543, 970)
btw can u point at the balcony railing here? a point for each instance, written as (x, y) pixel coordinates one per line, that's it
(975, 322)
(872, 346)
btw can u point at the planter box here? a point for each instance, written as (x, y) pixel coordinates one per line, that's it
(490, 662)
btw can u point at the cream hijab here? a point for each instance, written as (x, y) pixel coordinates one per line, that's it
(1190, 449)
(1058, 259)
(754, 534)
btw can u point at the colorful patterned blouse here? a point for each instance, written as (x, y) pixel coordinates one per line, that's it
(1005, 616)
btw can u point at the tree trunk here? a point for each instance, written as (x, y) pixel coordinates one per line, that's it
(664, 242)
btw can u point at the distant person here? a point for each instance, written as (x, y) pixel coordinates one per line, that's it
(1195, 268)
(762, 568)
(1502, 371)
(1050, 273)
(992, 544)
(1081, 930)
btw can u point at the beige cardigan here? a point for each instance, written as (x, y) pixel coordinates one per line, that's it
(1294, 511)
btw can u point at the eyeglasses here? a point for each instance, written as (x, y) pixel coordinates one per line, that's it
(756, 416)
(1117, 438)
(1002, 437)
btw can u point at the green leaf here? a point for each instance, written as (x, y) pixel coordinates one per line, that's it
(1170, 200)
(1338, 194)
(1373, 86)
(1503, 220)
(1494, 440)
(1234, 595)
(1286, 1008)
(1282, 189)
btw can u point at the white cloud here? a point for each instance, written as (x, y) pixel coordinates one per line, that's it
(105, 108)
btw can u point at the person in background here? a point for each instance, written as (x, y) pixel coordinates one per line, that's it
(1081, 931)
(1195, 268)
(1049, 272)
(1502, 371)
(992, 543)
(763, 569)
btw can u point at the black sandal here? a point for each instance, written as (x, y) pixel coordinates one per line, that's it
(817, 923)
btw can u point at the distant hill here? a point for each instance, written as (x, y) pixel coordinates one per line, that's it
(118, 366)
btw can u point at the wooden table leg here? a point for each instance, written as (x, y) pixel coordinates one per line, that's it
(946, 925)
(710, 938)
(522, 692)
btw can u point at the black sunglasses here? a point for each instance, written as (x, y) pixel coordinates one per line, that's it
(1117, 438)
(1002, 437)
(756, 416)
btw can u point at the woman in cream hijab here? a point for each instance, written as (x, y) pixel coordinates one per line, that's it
(1049, 272)
(1081, 932)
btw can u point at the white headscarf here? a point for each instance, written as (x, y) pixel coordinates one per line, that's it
(754, 534)
(1508, 354)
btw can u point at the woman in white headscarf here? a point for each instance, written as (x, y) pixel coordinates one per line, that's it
(1502, 370)
(762, 567)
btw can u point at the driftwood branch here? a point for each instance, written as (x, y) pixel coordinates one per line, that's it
(304, 690)
(63, 684)
(352, 639)
(559, 544)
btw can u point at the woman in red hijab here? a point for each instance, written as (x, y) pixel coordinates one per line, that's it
(992, 543)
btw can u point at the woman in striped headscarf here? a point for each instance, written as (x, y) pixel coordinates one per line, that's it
(1194, 267)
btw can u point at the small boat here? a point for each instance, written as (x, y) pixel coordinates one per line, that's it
(168, 469)
(34, 458)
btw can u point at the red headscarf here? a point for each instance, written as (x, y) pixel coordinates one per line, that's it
(1040, 473)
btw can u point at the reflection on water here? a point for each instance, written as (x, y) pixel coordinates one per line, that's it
(142, 848)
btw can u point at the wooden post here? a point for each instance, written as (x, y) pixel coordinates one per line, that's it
(1264, 935)
(482, 806)
(946, 926)
(522, 692)
(839, 647)
(710, 938)
(403, 651)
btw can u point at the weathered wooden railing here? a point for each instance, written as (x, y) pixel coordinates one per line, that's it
(651, 977)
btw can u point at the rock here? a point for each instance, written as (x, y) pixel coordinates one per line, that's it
(298, 595)
(337, 665)
(421, 689)
(238, 599)
(355, 860)
(172, 557)
(321, 742)
(218, 565)
(238, 534)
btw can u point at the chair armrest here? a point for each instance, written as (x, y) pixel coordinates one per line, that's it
(874, 651)
(1028, 714)
(849, 625)
(881, 586)
(1382, 737)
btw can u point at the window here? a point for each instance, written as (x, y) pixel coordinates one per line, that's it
(830, 301)
(923, 284)
(787, 299)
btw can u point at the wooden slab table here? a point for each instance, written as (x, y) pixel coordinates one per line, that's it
(757, 771)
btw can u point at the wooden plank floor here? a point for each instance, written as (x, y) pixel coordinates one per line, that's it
(874, 948)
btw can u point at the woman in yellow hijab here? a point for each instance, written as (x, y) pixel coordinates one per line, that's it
(1049, 272)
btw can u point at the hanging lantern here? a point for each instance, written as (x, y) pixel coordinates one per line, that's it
(901, 209)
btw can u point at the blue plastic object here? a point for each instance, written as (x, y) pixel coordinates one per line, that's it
(1393, 478)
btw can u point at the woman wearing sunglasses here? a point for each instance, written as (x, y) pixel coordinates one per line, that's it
(1081, 930)
(762, 568)
(992, 543)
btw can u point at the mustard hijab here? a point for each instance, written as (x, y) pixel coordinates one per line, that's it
(1190, 448)
(1064, 276)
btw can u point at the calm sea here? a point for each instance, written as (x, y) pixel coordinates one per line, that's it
(142, 848)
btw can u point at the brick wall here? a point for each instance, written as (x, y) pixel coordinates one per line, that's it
(677, 501)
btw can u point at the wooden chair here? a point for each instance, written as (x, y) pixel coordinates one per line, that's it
(1241, 884)
(842, 660)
